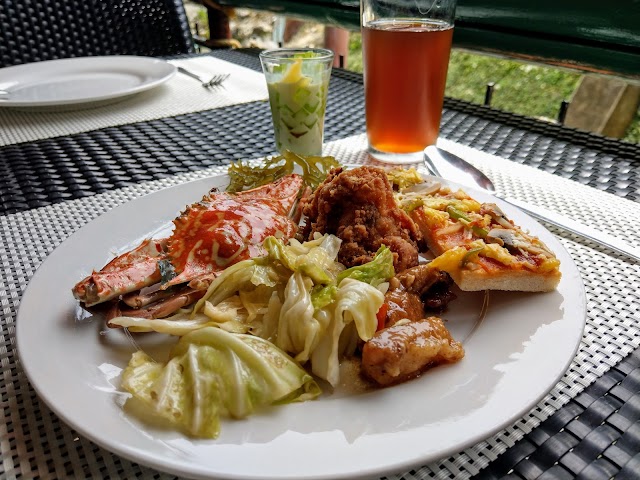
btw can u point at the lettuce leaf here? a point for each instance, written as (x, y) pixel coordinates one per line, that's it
(378, 270)
(316, 258)
(212, 374)
(245, 275)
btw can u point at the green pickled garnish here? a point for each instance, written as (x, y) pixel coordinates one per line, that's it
(243, 176)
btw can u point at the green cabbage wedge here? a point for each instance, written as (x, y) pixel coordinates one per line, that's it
(212, 374)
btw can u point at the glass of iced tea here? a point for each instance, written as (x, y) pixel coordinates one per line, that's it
(406, 47)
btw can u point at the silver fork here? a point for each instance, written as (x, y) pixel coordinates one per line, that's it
(213, 82)
(218, 79)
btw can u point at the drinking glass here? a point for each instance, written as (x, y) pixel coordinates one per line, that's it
(406, 46)
(298, 82)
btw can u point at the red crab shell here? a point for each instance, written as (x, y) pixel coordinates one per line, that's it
(210, 235)
(224, 228)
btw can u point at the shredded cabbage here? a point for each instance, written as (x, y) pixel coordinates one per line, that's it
(316, 258)
(356, 302)
(180, 324)
(298, 330)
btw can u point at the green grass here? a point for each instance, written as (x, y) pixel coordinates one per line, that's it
(527, 89)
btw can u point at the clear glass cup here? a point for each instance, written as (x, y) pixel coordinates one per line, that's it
(406, 47)
(298, 82)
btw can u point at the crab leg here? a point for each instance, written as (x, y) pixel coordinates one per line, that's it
(160, 309)
(129, 272)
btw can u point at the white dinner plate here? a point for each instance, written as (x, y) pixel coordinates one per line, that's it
(73, 81)
(513, 358)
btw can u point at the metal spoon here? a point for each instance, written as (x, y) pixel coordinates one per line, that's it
(446, 165)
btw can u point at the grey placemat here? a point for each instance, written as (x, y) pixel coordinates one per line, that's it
(35, 443)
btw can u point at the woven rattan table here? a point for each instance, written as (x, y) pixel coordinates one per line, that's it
(589, 427)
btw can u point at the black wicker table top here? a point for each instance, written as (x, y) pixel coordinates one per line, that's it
(42, 172)
(596, 435)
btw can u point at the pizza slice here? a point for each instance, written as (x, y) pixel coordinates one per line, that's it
(477, 244)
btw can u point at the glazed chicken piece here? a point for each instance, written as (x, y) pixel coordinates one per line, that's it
(411, 343)
(403, 351)
(358, 207)
(415, 290)
(220, 230)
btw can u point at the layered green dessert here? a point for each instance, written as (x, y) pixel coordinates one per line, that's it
(298, 98)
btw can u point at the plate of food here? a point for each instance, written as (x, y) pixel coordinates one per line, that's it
(264, 324)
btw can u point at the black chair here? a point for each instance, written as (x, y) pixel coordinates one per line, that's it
(36, 30)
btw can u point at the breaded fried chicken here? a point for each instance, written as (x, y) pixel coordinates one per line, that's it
(358, 207)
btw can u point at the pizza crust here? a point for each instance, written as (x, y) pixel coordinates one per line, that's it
(517, 280)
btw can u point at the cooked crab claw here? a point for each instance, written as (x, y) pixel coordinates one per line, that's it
(124, 274)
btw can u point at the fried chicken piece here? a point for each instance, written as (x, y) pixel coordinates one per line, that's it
(403, 351)
(358, 207)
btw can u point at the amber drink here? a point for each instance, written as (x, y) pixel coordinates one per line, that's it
(405, 72)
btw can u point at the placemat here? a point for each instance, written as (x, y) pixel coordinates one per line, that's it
(34, 442)
(179, 95)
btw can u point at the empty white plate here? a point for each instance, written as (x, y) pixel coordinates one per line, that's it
(78, 80)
